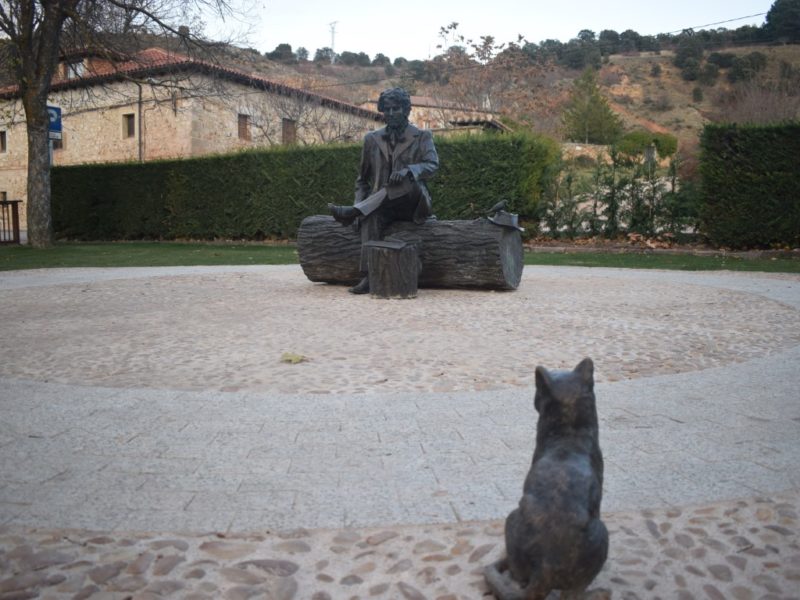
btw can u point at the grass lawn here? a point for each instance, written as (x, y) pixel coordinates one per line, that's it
(162, 254)
(681, 262)
(144, 254)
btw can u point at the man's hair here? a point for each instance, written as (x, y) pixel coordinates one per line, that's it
(397, 94)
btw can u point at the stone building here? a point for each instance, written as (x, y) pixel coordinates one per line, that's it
(163, 105)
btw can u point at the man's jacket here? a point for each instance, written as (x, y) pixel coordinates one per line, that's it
(414, 151)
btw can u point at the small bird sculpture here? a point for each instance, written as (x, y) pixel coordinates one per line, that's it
(497, 207)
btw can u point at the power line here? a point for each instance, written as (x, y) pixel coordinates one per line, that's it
(711, 24)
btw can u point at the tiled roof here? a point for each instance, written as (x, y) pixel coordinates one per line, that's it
(491, 123)
(430, 102)
(155, 61)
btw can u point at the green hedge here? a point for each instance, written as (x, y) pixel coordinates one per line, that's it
(636, 142)
(267, 193)
(751, 185)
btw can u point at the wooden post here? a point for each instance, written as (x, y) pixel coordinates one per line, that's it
(393, 269)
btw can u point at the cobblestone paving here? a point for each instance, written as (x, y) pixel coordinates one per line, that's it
(103, 490)
(743, 550)
(228, 331)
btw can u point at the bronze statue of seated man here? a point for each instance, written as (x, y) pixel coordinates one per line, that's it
(396, 160)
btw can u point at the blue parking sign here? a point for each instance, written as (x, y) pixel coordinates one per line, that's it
(54, 116)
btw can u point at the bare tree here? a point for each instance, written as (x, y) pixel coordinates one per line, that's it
(312, 121)
(40, 31)
(485, 75)
(761, 102)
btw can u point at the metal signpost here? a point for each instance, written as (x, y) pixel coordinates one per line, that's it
(54, 129)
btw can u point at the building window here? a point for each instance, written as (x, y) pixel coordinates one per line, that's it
(59, 144)
(3, 142)
(289, 131)
(74, 69)
(3, 196)
(128, 125)
(244, 127)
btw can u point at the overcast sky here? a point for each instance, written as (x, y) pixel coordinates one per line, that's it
(410, 28)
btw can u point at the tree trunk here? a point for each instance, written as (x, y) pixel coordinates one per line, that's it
(36, 38)
(453, 254)
(40, 222)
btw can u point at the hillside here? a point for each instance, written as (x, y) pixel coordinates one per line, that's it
(645, 89)
(667, 102)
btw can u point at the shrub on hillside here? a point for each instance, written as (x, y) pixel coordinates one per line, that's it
(690, 48)
(709, 74)
(690, 70)
(746, 67)
(723, 60)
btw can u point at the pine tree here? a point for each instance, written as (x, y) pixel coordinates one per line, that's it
(783, 21)
(588, 117)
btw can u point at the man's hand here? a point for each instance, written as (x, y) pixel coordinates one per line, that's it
(398, 176)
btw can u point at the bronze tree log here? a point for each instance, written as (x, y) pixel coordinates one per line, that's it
(453, 254)
(393, 269)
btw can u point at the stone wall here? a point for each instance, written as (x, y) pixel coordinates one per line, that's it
(215, 121)
(13, 162)
(596, 152)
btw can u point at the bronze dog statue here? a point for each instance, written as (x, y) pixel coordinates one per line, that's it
(555, 539)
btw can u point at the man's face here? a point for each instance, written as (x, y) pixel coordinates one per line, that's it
(395, 114)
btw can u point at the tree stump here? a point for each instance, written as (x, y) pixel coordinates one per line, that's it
(393, 269)
(452, 254)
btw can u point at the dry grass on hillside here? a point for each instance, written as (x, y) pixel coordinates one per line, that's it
(657, 101)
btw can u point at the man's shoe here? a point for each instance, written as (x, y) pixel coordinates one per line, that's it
(362, 287)
(344, 214)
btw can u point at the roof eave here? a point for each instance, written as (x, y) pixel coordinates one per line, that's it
(209, 69)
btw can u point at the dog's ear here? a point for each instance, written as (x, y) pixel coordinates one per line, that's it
(543, 380)
(585, 370)
(543, 384)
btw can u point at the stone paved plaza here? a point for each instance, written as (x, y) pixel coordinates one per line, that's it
(154, 443)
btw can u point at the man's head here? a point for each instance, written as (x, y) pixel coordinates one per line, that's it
(395, 104)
